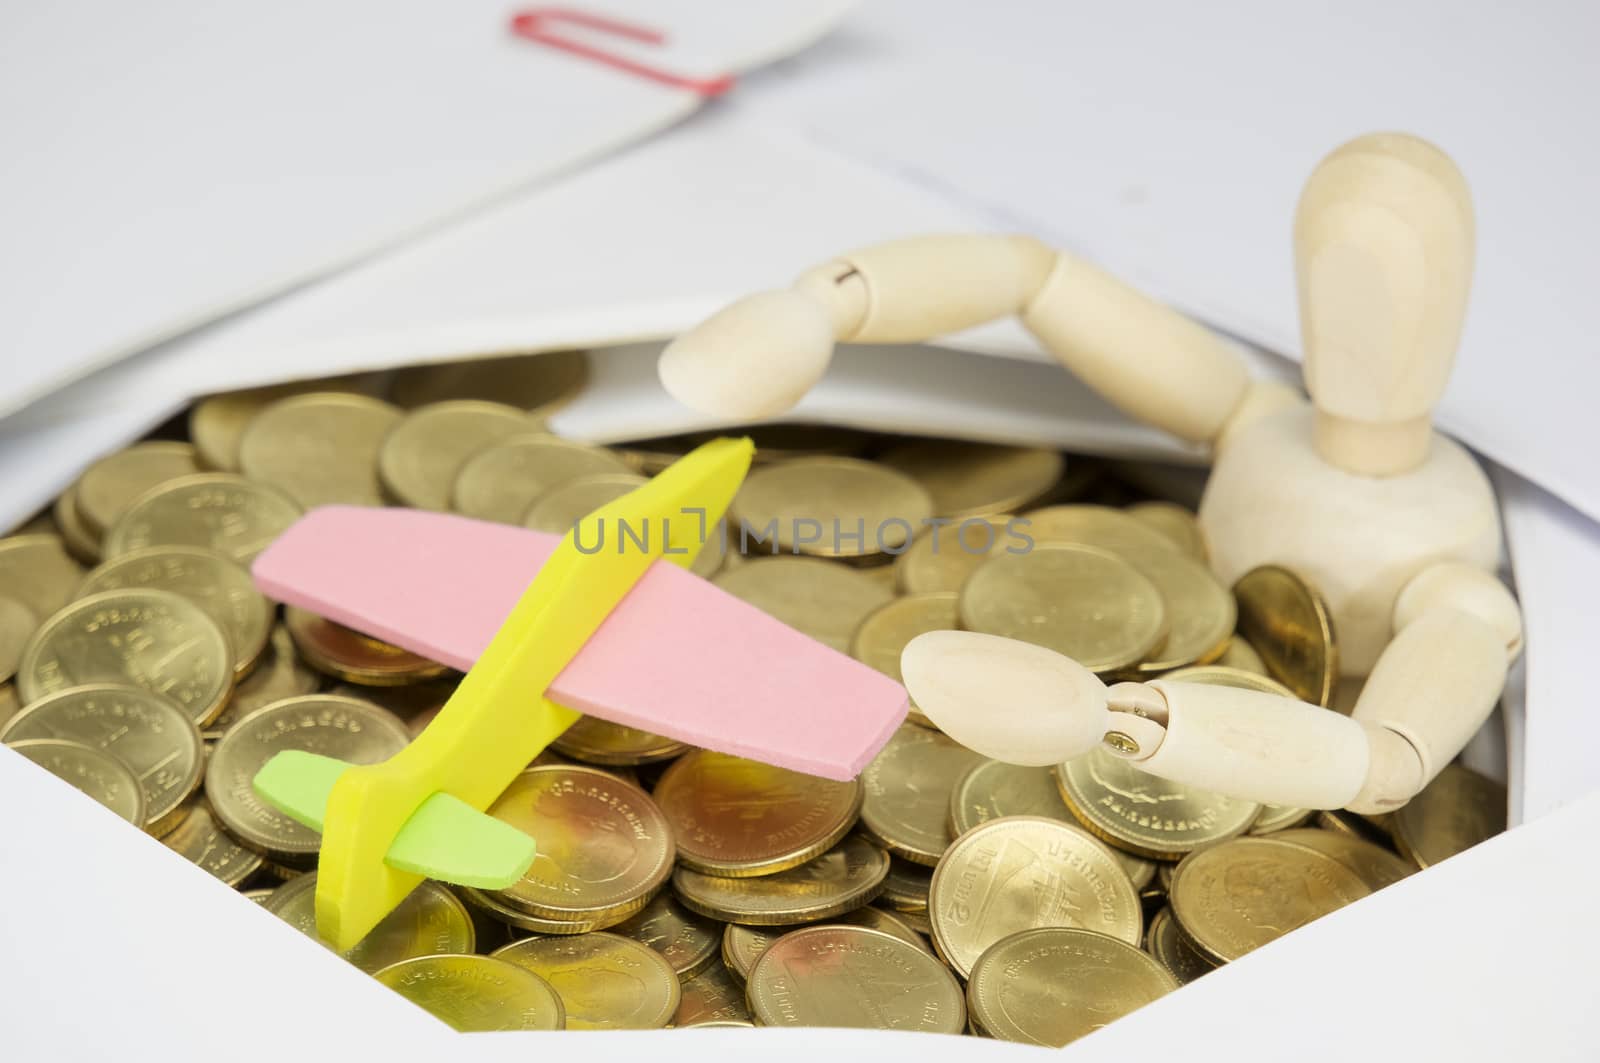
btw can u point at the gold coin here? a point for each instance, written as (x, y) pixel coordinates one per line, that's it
(1200, 611)
(81, 541)
(147, 638)
(320, 449)
(17, 624)
(10, 704)
(740, 818)
(199, 840)
(1243, 656)
(1080, 601)
(429, 922)
(853, 977)
(833, 507)
(539, 382)
(1375, 866)
(1272, 818)
(742, 946)
(1235, 897)
(604, 846)
(344, 728)
(347, 654)
(597, 741)
(908, 784)
(605, 981)
(145, 731)
(1145, 814)
(993, 789)
(258, 896)
(941, 558)
(100, 775)
(1174, 523)
(1289, 626)
(108, 486)
(974, 479)
(558, 509)
(217, 422)
(687, 940)
(1023, 872)
(423, 452)
(823, 600)
(477, 993)
(711, 998)
(501, 481)
(217, 585)
(37, 571)
(844, 878)
(1052, 986)
(887, 629)
(1454, 812)
(1169, 948)
(219, 511)
(905, 888)
(279, 674)
(533, 924)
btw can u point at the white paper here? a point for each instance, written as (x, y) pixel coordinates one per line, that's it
(166, 164)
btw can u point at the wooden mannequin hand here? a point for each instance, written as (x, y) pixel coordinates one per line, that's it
(1435, 684)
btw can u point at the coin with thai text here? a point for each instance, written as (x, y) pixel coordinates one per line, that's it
(1146, 814)
(148, 638)
(1235, 897)
(476, 994)
(853, 977)
(1052, 986)
(738, 818)
(156, 740)
(1023, 872)
(343, 728)
(604, 848)
(606, 981)
(221, 587)
(236, 517)
(96, 773)
(908, 786)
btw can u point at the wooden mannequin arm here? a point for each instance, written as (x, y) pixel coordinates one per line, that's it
(759, 356)
(1433, 687)
(1457, 630)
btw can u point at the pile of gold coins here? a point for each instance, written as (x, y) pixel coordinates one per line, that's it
(674, 886)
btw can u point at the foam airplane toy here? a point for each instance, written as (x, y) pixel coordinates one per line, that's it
(1394, 524)
(609, 623)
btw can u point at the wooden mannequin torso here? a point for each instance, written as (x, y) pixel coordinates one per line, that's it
(1273, 499)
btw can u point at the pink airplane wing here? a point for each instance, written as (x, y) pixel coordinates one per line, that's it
(678, 656)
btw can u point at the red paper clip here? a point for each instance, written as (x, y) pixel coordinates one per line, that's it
(535, 23)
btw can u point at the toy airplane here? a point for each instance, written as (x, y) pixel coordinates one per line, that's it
(608, 631)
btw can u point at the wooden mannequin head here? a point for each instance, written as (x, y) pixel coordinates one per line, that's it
(1383, 241)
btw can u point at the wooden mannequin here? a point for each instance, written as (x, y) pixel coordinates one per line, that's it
(1394, 524)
